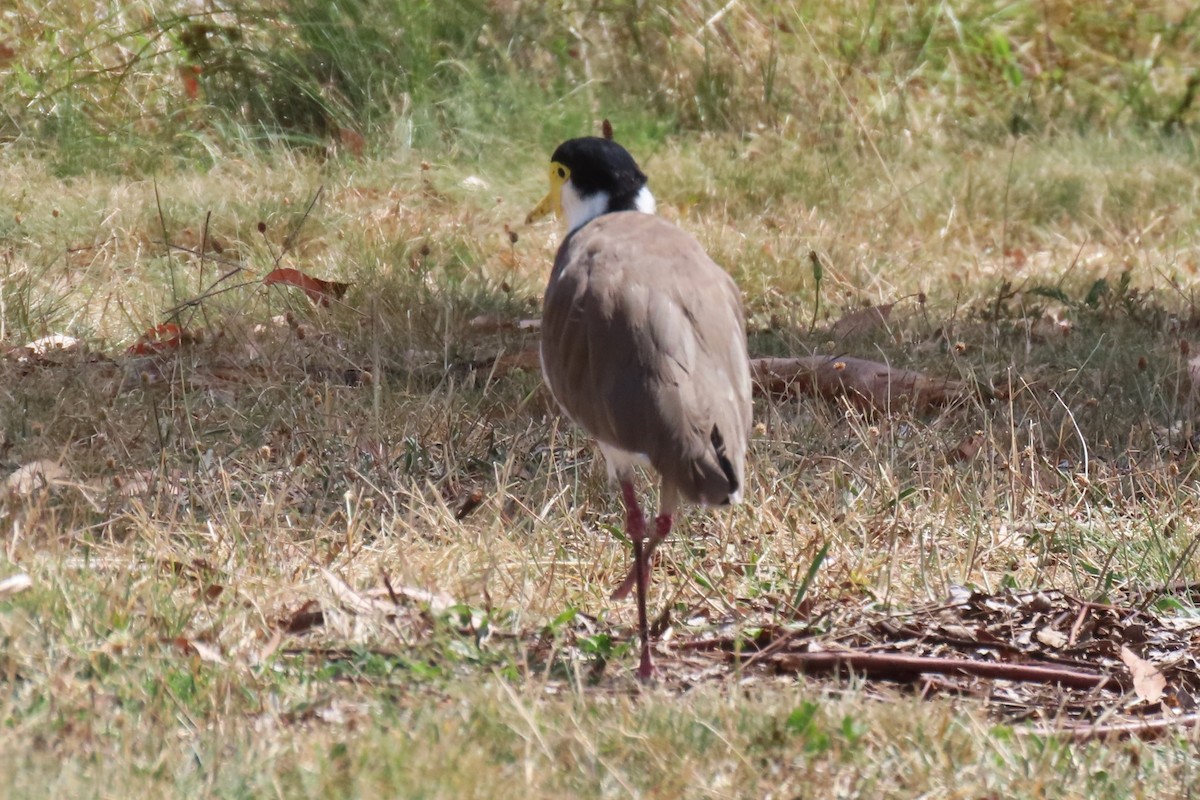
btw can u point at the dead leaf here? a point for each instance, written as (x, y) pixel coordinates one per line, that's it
(437, 601)
(354, 601)
(159, 339)
(189, 75)
(468, 503)
(1052, 638)
(606, 129)
(271, 646)
(967, 449)
(28, 478)
(861, 322)
(15, 584)
(191, 647)
(1051, 325)
(1148, 682)
(319, 291)
(47, 348)
(305, 618)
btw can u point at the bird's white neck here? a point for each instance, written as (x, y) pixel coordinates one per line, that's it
(581, 210)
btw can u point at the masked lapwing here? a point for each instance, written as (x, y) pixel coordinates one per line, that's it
(644, 346)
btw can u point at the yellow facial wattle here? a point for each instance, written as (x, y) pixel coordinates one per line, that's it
(559, 175)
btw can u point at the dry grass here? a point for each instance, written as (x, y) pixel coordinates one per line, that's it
(207, 496)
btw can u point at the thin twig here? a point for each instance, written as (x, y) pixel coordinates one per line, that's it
(162, 221)
(203, 249)
(896, 666)
(225, 262)
(388, 585)
(1141, 728)
(172, 313)
(1012, 154)
(291, 237)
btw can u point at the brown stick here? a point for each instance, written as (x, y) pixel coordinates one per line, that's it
(1142, 728)
(868, 384)
(895, 666)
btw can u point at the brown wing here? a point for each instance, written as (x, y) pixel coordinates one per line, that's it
(644, 345)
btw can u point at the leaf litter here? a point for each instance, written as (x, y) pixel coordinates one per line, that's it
(1033, 657)
(1045, 661)
(1041, 657)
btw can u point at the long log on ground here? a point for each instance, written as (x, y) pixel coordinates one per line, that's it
(869, 384)
(897, 667)
(866, 384)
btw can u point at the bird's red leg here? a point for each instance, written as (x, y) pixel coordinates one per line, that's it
(662, 528)
(635, 524)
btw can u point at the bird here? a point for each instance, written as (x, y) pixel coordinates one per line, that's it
(644, 347)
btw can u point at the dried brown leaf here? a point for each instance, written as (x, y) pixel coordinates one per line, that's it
(319, 291)
(468, 503)
(437, 601)
(305, 618)
(271, 646)
(1052, 638)
(28, 478)
(55, 343)
(1051, 325)
(352, 600)
(1148, 682)
(967, 449)
(160, 339)
(192, 647)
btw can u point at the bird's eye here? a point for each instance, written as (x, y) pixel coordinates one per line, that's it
(562, 173)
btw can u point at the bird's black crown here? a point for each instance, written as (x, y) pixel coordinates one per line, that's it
(601, 165)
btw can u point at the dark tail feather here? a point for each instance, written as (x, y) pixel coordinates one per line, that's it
(718, 444)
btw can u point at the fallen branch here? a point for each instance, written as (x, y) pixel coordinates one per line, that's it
(893, 666)
(868, 384)
(1142, 728)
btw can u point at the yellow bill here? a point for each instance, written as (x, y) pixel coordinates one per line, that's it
(553, 199)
